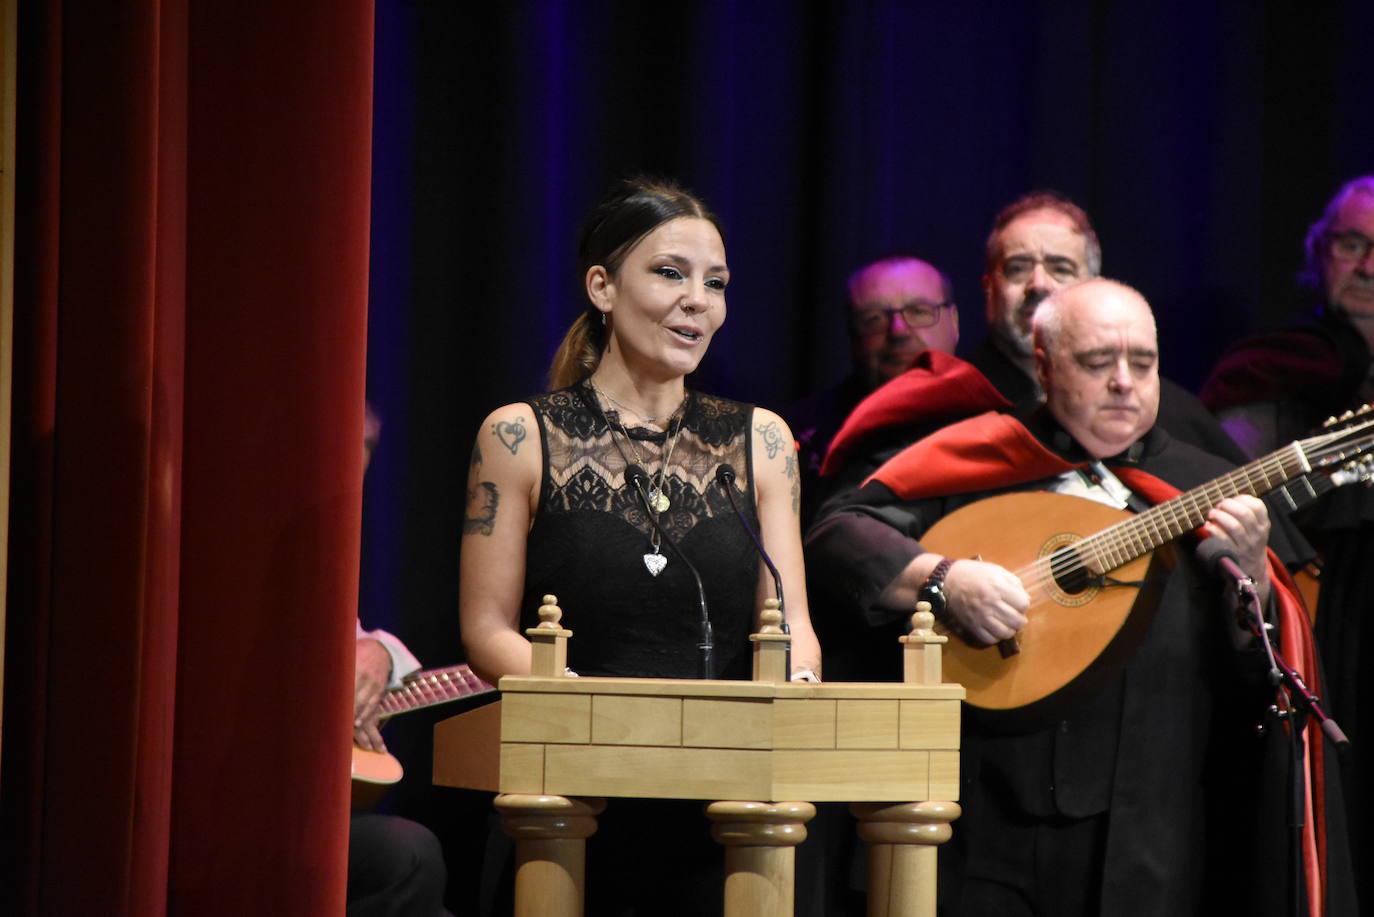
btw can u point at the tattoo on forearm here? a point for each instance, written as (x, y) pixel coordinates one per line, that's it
(510, 435)
(772, 438)
(791, 468)
(475, 462)
(481, 512)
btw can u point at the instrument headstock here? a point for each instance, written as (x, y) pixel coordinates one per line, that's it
(1345, 439)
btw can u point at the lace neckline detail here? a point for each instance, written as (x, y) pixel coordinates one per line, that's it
(640, 432)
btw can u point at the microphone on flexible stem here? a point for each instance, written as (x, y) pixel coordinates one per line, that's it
(1218, 558)
(725, 477)
(639, 479)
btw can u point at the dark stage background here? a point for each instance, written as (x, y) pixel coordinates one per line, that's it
(192, 306)
(1202, 137)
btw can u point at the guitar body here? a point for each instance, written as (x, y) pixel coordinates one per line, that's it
(373, 773)
(376, 767)
(1067, 631)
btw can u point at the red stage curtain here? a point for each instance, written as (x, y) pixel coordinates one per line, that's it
(190, 322)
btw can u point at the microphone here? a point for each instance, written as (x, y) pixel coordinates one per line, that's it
(725, 477)
(640, 480)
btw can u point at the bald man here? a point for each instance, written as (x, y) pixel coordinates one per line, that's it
(1101, 804)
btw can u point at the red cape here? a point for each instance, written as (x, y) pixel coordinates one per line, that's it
(938, 387)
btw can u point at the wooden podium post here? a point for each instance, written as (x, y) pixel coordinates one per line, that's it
(760, 854)
(554, 746)
(903, 838)
(901, 858)
(550, 851)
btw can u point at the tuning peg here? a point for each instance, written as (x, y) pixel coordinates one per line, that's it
(1365, 409)
(1347, 415)
(1330, 421)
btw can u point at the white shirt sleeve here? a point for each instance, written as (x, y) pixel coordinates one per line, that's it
(403, 662)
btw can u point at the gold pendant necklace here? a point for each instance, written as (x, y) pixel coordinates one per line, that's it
(655, 498)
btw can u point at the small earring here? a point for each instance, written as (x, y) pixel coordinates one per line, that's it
(603, 319)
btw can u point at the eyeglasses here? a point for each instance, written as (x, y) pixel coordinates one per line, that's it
(1349, 246)
(1018, 269)
(916, 314)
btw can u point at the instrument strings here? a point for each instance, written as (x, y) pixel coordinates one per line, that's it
(432, 687)
(1086, 559)
(1083, 560)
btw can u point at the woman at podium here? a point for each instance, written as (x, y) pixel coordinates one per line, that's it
(614, 492)
(608, 491)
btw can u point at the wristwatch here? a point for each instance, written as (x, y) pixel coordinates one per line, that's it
(933, 589)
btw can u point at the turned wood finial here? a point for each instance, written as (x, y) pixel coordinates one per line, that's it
(923, 623)
(770, 645)
(771, 616)
(550, 614)
(921, 648)
(549, 641)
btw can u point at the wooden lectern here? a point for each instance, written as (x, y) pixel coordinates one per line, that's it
(554, 746)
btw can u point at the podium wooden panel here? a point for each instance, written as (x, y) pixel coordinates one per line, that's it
(752, 747)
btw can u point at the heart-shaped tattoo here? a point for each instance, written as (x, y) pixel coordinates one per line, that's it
(510, 435)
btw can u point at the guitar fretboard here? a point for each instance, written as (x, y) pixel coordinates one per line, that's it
(1161, 524)
(434, 686)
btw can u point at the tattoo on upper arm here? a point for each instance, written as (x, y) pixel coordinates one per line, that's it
(772, 437)
(791, 469)
(480, 515)
(510, 435)
(481, 512)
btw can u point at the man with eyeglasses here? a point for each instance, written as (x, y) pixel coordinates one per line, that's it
(898, 307)
(1040, 243)
(1276, 387)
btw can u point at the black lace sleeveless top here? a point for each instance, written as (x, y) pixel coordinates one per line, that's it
(591, 532)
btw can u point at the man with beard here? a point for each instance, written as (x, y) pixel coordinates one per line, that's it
(1276, 387)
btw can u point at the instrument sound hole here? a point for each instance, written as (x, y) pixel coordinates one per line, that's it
(1070, 574)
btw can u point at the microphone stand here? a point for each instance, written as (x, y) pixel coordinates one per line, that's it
(1249, 615)
(1295, 704)
(1302, 702)
(725, 477)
